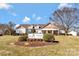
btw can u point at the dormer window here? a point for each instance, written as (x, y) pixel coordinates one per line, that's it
(33, 27)
(39, 27)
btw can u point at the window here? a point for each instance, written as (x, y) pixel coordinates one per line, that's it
(44, 31)
(29, 30)
(55, 32)
(49, 31)
(39, 27)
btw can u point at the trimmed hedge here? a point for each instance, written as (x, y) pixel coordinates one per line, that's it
(23, 38)
(48, 37)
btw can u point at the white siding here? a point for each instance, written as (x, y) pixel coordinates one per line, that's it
(38, 31)
(21, 30)
(73, 33)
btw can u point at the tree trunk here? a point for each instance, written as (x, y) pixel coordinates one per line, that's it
(66, 32)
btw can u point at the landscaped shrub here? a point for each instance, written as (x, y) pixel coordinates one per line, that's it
(26, 34)
(23, 38)
(49, 37)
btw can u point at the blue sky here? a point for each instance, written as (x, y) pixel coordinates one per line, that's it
(28, 13)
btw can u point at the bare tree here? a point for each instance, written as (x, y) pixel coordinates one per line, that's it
(66, 18)
(11, 27)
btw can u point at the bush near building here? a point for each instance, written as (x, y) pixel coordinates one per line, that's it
(23, 38)
(49, 37)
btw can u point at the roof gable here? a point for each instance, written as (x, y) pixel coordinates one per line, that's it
(50, 26)
(30, 25)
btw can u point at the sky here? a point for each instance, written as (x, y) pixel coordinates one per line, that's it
(28, 13)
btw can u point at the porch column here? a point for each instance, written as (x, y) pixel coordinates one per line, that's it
(46, 31)
(58, 32)
(52, 31)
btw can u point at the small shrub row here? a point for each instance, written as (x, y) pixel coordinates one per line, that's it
(46, 37)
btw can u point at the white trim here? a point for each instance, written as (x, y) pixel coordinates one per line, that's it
(50, 29)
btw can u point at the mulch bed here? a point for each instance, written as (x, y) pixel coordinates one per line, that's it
(35, 43)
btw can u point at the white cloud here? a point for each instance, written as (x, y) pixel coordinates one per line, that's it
(5, 6)
(39, 18)
(14, 14)
(61, 5)
(34, 15)
(8, 7)
(26, 19)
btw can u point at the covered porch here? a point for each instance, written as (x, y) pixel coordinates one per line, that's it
(52, 31)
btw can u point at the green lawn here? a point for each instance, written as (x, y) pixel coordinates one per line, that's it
(68, 46)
